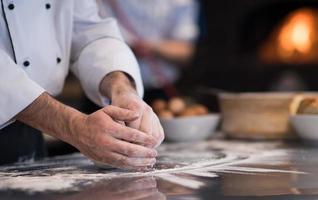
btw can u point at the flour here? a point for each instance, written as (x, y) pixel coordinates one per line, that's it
(70, 173)
(193, 184)
(54, 183)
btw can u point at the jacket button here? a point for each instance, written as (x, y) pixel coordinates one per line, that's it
(26, 63)
(47, 6)
(11, 6)
(58, 59)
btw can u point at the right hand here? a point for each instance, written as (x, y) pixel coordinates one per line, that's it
(100, 137)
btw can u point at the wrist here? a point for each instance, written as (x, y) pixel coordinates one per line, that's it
(117, 83)
(76, 125)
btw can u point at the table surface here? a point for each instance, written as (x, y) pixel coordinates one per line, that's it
(215, 169)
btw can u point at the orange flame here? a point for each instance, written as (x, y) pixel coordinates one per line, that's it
(297, 34)
(295, 40)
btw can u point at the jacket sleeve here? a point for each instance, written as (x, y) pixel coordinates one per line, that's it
(98, 49)
(17, 90)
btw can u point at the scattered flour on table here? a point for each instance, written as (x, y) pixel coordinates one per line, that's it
(70, 173)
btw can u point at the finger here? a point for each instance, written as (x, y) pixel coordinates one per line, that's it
(120, 122)
(155, 131)
(135, 124)
(141, 163)
(117, 160)
(121, 114)
(133, 135)
(153, 134)
(125, 162)
(146, 124)
(132, 150)
(159, 132)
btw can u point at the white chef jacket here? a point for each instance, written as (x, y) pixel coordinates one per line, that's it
(156, 21)
(39, 40)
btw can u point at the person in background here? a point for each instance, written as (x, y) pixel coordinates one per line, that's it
(162, 34)
(39, 43)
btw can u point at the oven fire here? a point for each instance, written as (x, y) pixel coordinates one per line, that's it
(294, 41)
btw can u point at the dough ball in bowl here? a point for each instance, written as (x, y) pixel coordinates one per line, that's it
(194, 110)
(159, 105)
(165, 114)
(176, 105)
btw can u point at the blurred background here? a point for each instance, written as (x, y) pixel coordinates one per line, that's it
(186, 45)
(257, 45)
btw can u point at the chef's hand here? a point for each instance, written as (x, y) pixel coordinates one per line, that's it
(147, 121)
(124, 95)
(100, 137)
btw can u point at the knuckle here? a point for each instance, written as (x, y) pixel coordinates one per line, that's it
(128, 113)
(103, 142)
(110, 128)
(134, 137)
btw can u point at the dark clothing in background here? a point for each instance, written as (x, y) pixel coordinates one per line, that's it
(153, 94)
(19, 142)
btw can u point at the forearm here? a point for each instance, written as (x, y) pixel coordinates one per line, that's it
(174, 50)
(116, 83)
(50, 116)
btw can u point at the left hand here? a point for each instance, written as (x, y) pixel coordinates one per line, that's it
(147, 122)
(120, 89)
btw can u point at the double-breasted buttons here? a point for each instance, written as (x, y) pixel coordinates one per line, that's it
(11, 6)
(26, 63)
(58, 60)
(47, 6)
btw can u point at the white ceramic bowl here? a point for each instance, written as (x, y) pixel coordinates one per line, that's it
(306, 126)
(188, 129)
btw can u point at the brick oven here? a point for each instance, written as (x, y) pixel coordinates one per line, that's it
(257, 45)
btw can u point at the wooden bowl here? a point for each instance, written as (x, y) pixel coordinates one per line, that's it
(256, 115)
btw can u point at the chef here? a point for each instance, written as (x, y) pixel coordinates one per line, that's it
(40, 41)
